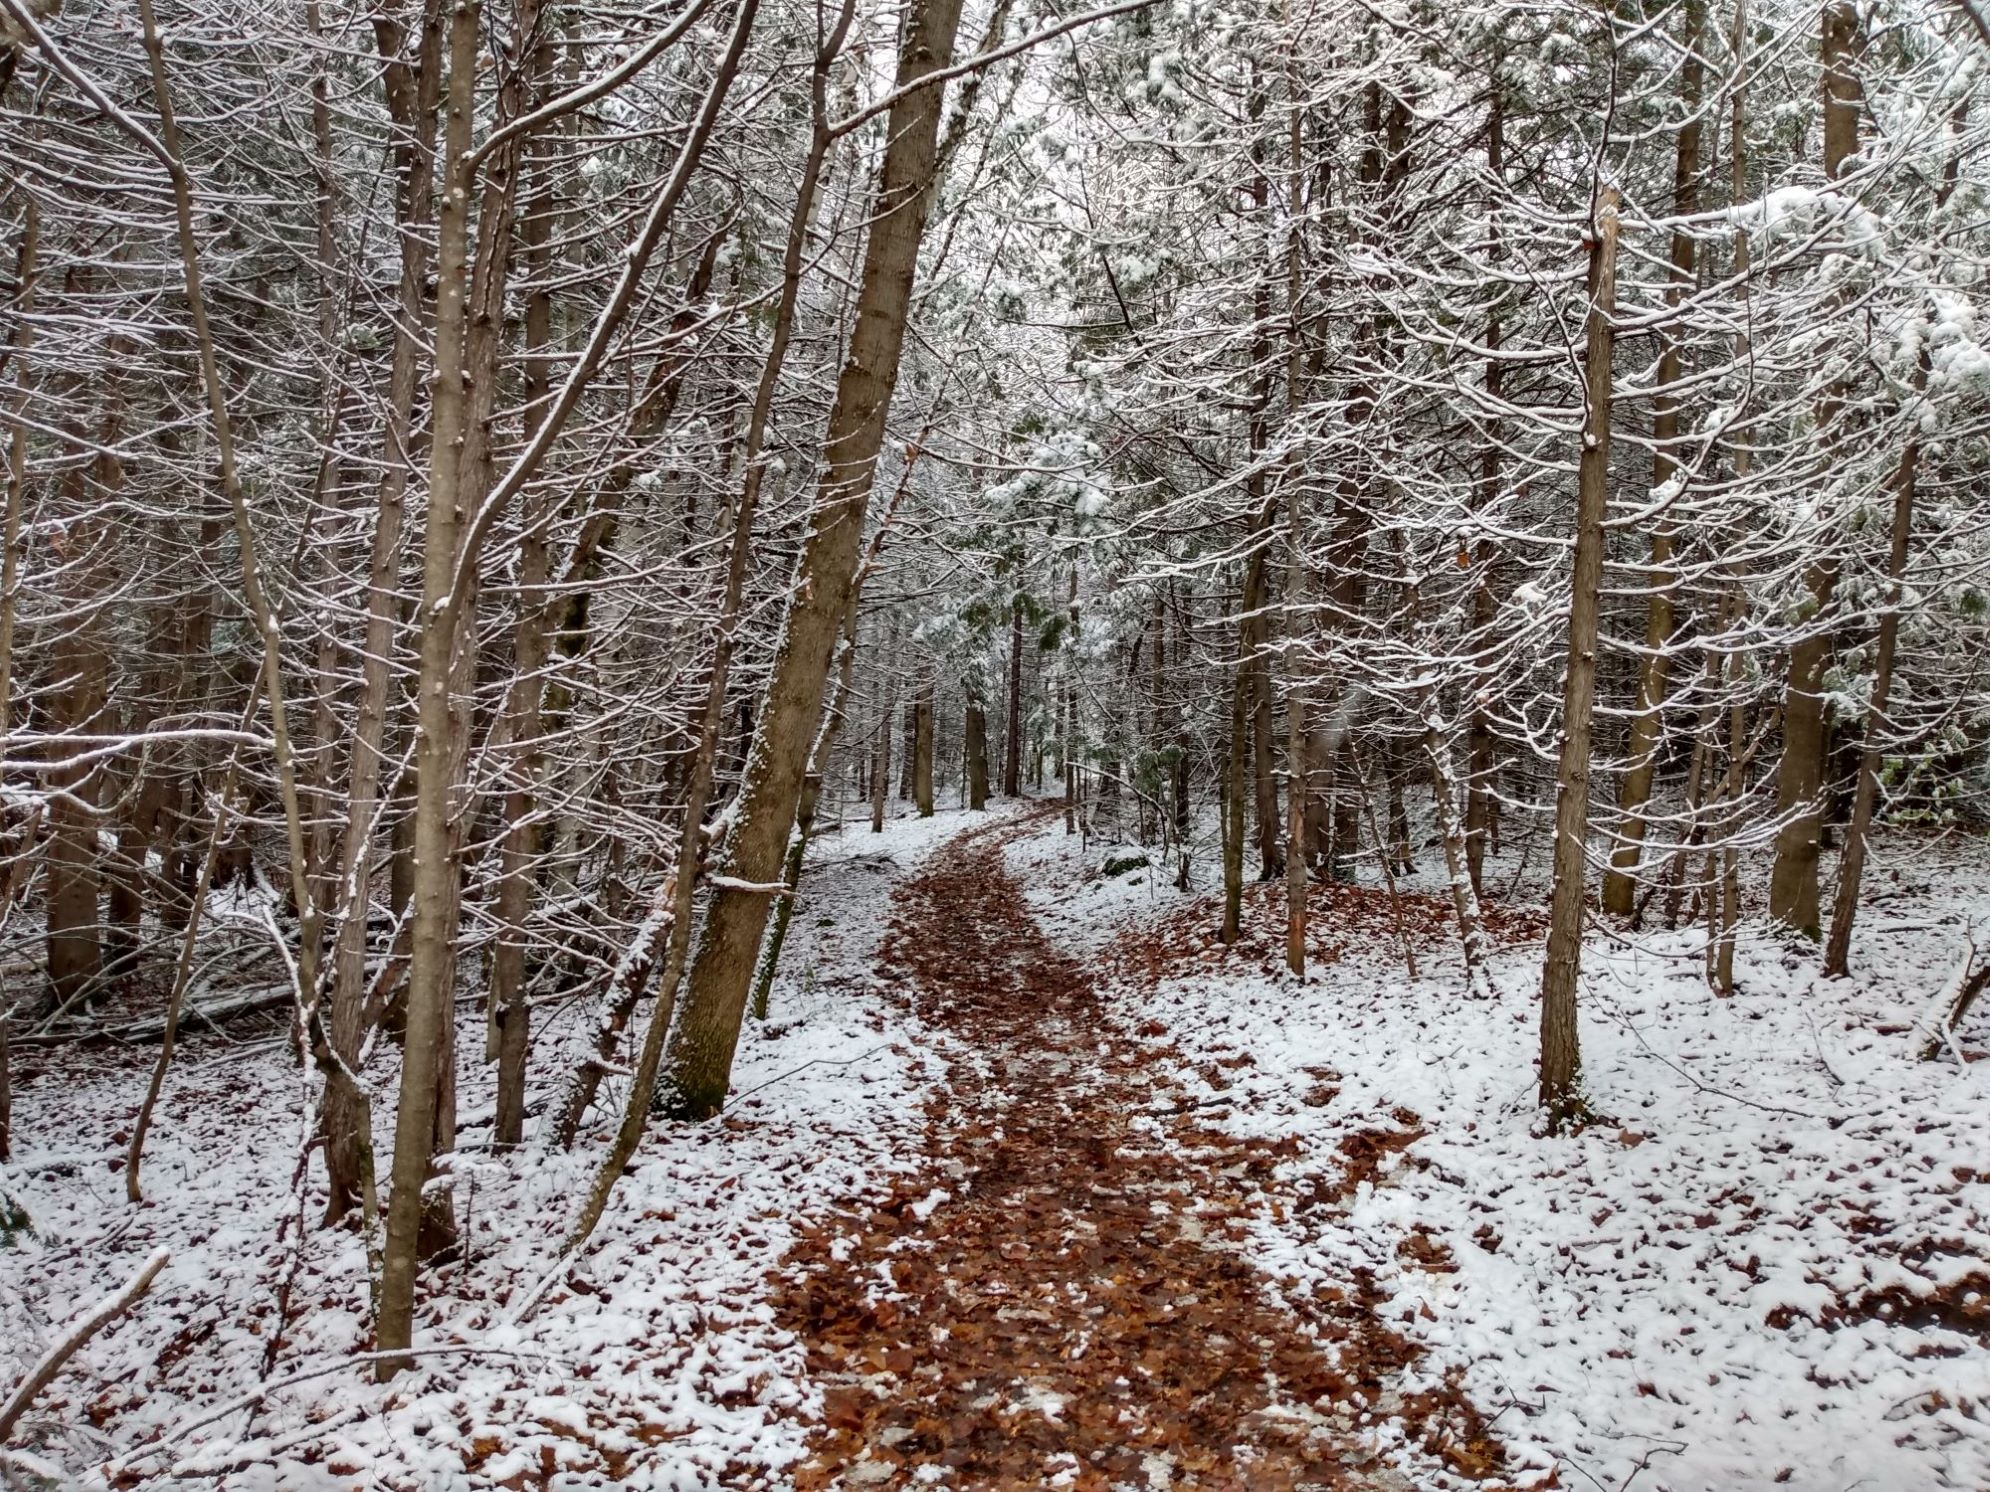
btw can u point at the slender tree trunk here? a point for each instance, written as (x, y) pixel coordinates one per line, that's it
(1793, 880)
(510, 1036)
(1295, 568)
(682, 886)
(1233, 803)
(1012, 751)
(1295, 751)
(1722, 961)
(413, 92)
(1480, 759)
(888, 703)
(1561, 1052)
(27, 275)
(80, 663)
(1396, 764)
(1464, 895)
(1647, 721)
(427, 1050)
(1852, 864)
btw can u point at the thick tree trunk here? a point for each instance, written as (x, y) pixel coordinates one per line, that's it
(975, 727)
(922, 747)
(700, 1059)
(80, 662)
(1561, 1053)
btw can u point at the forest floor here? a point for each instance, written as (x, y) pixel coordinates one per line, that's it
(1062, 1294)
(1029, 1183)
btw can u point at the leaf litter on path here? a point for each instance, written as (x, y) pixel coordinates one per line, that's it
(1062, 1298)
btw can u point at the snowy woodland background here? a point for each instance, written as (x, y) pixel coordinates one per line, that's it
(1474, 516)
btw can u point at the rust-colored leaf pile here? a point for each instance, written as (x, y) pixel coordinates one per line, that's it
(1063, 1296)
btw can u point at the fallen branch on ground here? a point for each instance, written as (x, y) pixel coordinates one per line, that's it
(1937, 1025)
(43, 1373)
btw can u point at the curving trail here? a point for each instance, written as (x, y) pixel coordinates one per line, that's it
(1061, 1298)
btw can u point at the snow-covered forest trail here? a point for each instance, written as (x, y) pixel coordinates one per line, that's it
(1060, 1296)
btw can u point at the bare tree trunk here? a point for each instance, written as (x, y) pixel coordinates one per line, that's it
(6, 1083)
(975, 727)
(702, 1050)
(1395, 763)
(922, 746)
(1464, 895)
(413, 96)
(1852, 863)
(1722, 959)
(79, 661)
(888, 706)
(427, 1049)
(1480, 760)
(1647, 721)
(1295, 566)
(27, 273)
(1295, 748)
(1793, 889)
(1233, 806)
(1012, 752)
(1561, 1052)
(511, 1011)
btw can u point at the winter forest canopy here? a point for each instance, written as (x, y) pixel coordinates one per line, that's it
(1405, 582)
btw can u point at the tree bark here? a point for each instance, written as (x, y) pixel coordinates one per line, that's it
(413, 91)
(888, 704)
(79, 661)
(1561, 1053)
(975, 727)
(427, 1050)
(1852, 863)
(1647, 720)
(1793, 889)
(922, 746)
(1012, 751)
(700, 1059)
(1295, 748)
(1481, 762)
(1295, 566)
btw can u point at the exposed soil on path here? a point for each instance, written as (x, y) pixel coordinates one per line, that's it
(1062, 1297)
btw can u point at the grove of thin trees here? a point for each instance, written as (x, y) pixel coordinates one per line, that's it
(487, 482)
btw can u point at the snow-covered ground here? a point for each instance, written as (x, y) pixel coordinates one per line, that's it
(656, 1364)
(1764, 1266)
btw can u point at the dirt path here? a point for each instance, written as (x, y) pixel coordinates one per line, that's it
(1060, 1298)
